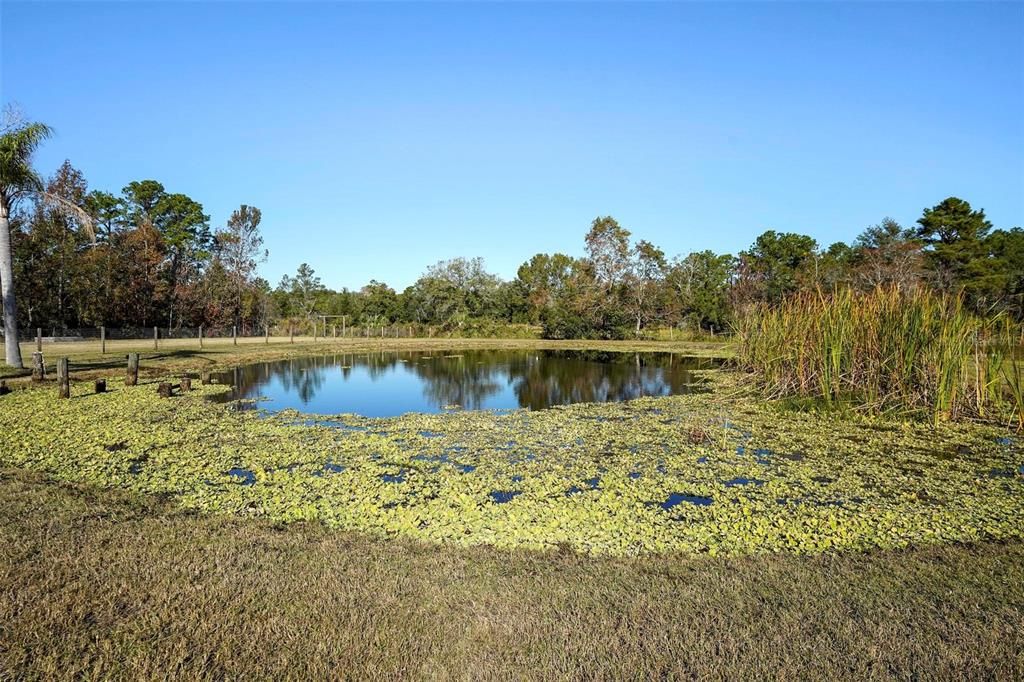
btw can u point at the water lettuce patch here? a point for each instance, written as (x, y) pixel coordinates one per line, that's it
(716, 472)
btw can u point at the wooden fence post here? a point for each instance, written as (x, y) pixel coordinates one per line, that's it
(334, 331)
(291, 333)
(63, 380)
(38, 368)
(200, 336)
(103, 340)
(100, 385)
(186, 384)
(132, 378)
(156, 339)
(234, 335)
(266, 337)
(39, 339)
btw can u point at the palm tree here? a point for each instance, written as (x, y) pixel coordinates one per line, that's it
(18, 180)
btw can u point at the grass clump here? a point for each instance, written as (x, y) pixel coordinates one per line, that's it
(887, 350)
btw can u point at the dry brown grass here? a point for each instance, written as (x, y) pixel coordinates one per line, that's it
(107, 584)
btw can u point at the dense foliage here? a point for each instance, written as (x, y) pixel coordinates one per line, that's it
(149, 257)
(154, 261)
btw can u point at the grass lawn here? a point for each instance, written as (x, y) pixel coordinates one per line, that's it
(704, 535)
(105, 583)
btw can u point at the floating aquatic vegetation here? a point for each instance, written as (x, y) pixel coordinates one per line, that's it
(741, 480)
(614, 478)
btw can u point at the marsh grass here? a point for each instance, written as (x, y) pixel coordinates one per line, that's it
(884, 351)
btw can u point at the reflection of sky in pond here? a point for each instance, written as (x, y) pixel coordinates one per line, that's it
(387, 384)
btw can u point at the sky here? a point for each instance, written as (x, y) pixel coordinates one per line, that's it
(380, 138)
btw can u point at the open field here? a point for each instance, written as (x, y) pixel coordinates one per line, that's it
(104, 584)
(153, 537)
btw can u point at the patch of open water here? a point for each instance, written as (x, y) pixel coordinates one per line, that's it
(393, 383)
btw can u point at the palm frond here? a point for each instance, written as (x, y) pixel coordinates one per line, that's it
(17, 145)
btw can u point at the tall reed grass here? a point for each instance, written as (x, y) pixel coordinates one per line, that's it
(888, 350)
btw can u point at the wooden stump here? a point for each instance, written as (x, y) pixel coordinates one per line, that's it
(38, 368)
(101, 385)
(4, 390)
(204, 378)
(186, 384)
(165, 390)
(132, 378)
(63, 378)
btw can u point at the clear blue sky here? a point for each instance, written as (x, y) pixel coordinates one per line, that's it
(379, 138)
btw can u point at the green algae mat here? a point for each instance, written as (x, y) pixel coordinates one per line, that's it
(718, 472)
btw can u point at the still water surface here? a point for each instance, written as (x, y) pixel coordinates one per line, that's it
(394, 383)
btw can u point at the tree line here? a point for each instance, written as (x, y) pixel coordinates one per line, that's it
(618, 288)
(71, 257)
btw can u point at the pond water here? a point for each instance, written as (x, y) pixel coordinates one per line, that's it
(389, 384)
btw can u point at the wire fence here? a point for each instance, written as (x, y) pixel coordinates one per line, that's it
(104, 338)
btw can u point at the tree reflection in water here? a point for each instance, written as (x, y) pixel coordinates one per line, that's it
(386, 382)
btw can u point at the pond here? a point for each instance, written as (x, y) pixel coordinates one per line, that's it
(393, 383)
